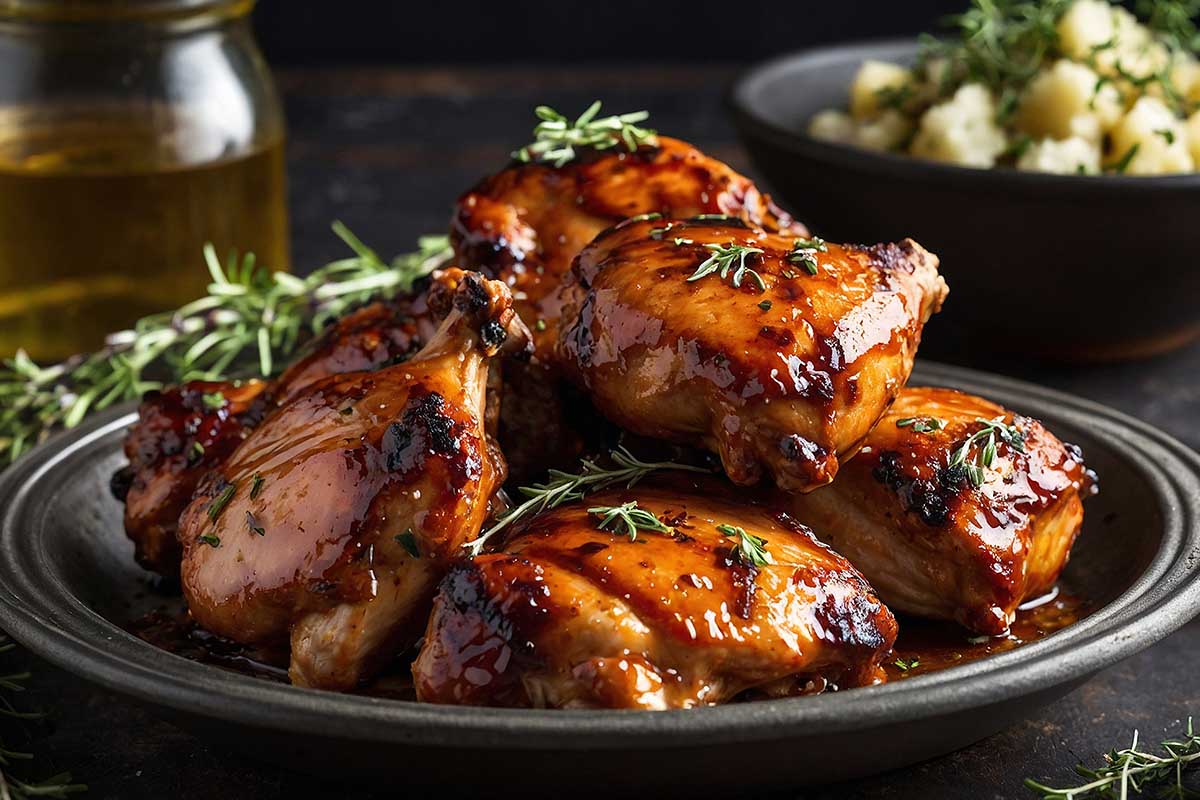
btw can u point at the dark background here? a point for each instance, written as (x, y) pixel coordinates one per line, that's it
(293, 32)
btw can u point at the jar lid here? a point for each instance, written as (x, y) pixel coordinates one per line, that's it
(119, 10)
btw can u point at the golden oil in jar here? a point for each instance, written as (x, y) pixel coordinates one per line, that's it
(131, 134)
(101, 225)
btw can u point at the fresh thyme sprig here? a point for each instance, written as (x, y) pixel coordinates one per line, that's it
(630, 517)
(985, 456)
(922, 424)
(249, 315)
(11, 787)
(1133, 770)
(723, 258)
(804, 253)
(556, 137)
(751, 550)
(564, 487)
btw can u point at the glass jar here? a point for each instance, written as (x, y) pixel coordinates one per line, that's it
(132, 132)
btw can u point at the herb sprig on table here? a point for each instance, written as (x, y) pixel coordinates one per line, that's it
(1133, 771)
(250, 323)
(12, 787)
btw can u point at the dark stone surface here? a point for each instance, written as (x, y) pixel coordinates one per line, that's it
(387, 152)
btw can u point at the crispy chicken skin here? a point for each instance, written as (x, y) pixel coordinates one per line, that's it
(332, 522)
(932, 543)
(184, 432)
(781, 381)
(181, 434)
(570, 616)
(525, 224)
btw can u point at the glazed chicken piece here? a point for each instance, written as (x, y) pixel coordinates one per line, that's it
(181, 434)
(332, 522)
(782, 375)
(909, 515)
(186, 431)
(526, 224)
(571, 616)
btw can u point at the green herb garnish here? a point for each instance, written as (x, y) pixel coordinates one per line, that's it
(804, 253)
(212, 540)
(985, 456)
(905, 666)
(751, 550)
(1133, 771)
(213, 400)
(630, 517)
(220, 501)
(256, 484)
(921, 424)
(564, 487)
(556, 137)
(408, 541)
(765, 305)
(726, 257)
(250, 321)
(252, 523)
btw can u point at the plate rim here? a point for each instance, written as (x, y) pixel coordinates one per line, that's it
(59, 628)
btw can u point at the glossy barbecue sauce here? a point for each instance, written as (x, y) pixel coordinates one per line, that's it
(923, 645)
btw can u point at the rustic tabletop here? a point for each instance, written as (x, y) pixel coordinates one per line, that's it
(387, 152)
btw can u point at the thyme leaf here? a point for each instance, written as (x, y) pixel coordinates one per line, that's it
(556, 137)
(751, 550)
(630, 517)
(725, 257)
(565, 487)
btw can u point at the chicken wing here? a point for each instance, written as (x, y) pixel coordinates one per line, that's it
(186, 431)
(332, 522)
(729, 597)
(779, 354)
(955, 508)
(526, 224)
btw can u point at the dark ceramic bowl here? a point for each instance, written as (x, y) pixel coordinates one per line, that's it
(68, 586)
(1061, 266)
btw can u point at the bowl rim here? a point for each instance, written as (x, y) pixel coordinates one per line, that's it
(40, 612)
(752, 121)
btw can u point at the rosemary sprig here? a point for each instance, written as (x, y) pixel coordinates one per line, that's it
(564, 487)
(11, 787)
(804, 253)
(723, 258)
(556, 137)
(751, 550)
(630, 517)
(922, 424)
(1133, 771)
(249, 315)
(985, 456)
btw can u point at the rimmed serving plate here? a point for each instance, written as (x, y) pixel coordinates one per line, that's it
(68, 585)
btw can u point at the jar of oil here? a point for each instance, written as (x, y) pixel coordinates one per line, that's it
(131, 134)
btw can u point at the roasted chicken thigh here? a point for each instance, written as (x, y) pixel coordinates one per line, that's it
(525, 224)
(955, 508)
(185, 431)
(331, 523)
(779, 354)
(732, 597)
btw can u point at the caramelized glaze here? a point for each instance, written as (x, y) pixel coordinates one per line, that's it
(331, 523)
(567, 615)
(527, 223)
(932, 543)
(780, 380)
